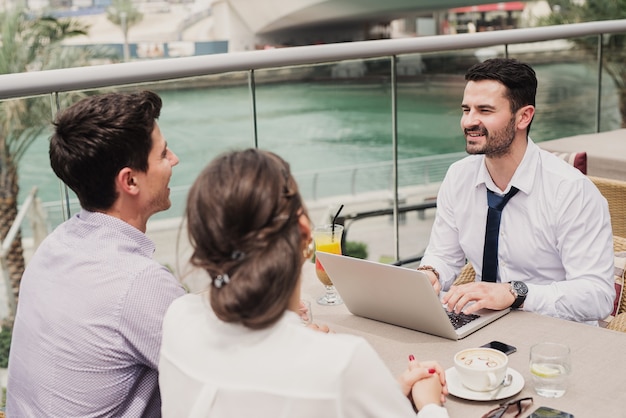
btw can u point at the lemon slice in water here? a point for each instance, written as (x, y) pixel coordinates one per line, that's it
(546, 370)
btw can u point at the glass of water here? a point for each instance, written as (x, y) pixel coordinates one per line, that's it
(550, 367)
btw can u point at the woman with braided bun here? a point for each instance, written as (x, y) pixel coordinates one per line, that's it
(239, 348)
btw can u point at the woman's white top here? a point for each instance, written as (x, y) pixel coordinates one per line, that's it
(211, 368)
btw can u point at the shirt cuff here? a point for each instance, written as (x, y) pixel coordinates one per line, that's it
(433, 411)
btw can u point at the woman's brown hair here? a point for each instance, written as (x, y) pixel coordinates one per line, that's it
(243, 215)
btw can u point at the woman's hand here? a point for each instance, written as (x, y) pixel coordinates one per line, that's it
(320, 328)
(424, 383)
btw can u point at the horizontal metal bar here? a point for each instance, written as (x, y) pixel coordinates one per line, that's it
(355, 216)
(99, 76)
(382, 212)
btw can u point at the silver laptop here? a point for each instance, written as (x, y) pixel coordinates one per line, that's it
(398, 296)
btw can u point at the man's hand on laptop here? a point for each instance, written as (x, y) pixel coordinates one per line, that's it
(496, 296)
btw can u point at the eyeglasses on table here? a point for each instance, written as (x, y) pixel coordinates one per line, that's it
(513, 408)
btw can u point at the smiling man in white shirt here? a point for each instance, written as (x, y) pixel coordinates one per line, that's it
(553, 252)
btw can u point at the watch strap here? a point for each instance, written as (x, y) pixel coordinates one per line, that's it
(429, 268)
(519, 298)
(519, 301)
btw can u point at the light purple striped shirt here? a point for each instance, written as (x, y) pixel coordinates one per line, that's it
(88, 327)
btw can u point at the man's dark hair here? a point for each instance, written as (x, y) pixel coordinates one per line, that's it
(519, 79)
(97, 137)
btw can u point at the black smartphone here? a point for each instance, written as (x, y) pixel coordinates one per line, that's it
(545, 412)
(500, 346)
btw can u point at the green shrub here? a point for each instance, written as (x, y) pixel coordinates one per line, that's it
(356, 249)
(5, 345)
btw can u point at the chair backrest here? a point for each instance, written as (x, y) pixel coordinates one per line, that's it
(614, 191)
(619, 247)
(467, 275)
(619, 244)
(577, 159)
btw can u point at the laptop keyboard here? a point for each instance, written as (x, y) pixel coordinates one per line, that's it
(460, 319)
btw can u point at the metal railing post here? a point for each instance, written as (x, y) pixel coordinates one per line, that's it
(599, 89)
(394, 147)
(252, 87)
(55, 106)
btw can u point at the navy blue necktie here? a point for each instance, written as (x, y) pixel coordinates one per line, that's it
(490, 253)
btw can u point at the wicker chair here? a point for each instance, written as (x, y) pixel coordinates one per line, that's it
(619, 244)
(614, 191)
(467, 275)
(618, 323)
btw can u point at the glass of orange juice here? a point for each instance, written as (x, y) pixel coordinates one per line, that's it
(327, 239)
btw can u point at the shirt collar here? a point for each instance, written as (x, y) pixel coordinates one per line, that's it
(146, 245)
(524, 175)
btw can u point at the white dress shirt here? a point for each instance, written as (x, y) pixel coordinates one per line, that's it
(555, 234)
(216, 369)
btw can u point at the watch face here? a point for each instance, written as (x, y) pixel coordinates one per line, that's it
(520, 288)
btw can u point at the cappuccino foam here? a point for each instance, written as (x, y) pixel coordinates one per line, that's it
(479, 360)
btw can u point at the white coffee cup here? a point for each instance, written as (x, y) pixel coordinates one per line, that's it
(481, 369)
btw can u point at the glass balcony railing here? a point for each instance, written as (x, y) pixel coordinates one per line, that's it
(351, 118)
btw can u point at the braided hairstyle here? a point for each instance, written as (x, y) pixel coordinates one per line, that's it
(243, 215)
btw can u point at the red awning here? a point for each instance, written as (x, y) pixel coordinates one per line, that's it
(495, 7)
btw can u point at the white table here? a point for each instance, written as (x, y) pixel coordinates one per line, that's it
(597, 384)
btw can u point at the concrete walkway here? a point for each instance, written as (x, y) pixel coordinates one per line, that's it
(606, 152)
(173, 248)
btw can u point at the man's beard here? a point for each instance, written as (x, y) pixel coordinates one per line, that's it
(496, 144)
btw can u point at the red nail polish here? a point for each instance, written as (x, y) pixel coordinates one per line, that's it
(431, 371)
(411, 357)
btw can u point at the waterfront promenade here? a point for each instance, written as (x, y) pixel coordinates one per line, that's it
(604, 150)
(173, 248)
(156, 26)
(604, 153)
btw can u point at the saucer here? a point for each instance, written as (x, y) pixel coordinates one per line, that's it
(456, 388)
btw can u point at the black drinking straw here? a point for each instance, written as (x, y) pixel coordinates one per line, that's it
(332, 227)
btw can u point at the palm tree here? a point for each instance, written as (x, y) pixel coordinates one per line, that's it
(27, 44)
(124, 14)
(614, 46)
